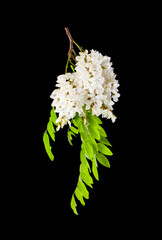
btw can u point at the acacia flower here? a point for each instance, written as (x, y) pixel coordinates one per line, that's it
(80, 97)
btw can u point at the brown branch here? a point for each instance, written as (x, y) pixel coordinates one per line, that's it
(70, 40)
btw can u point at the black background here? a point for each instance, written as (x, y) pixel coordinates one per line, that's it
(44, 188)
(55, 182)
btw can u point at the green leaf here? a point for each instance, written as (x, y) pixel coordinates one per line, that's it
(88, 150)
(72, 68)
(46, 139)
(101, 131)
(74, 122)
(93, 143)
(51, 130)
(105, 141)
(83, 158)
(84, 108)
(87, 179)
(72, 133)
(69, 137)
(84, 169)
(78, 194)
(73, 205)
(53, 116)
(85, 176)
(75, 130)
(83, 133)
(94, 132)
(77, 120)
(47, 146)
(103, 149)
(103, 160)
(94, 169)
(50, 120)
(83, 189)
(91, 120)
(97, 119)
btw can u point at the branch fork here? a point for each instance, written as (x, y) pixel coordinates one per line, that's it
(71, 49)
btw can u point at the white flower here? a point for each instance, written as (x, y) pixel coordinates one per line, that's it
(93, 83)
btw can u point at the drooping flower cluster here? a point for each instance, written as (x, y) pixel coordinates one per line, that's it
(93, 83)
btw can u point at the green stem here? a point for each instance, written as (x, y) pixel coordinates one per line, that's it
(80, 48)
(68, 60)
(74, 53)
(72, 63)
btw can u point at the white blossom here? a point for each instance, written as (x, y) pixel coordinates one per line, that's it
(93, 83)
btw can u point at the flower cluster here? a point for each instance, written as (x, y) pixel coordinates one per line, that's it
(93, 83)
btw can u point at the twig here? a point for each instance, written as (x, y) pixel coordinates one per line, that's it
(71, 42)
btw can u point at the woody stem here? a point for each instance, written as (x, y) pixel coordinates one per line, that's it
(71, 42)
